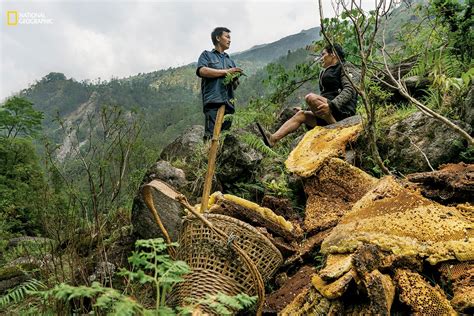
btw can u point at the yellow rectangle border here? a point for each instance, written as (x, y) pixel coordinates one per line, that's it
(10, 13)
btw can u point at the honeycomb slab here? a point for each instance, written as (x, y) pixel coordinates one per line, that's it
(252, 213)
(310, 302)
(403, 222)
(381, 292)
(334, 289)
(336, 265)
(318, 145)
(422, 298)
(461, 276)
(332, 191)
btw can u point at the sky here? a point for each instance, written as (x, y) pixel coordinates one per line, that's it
(90, 39)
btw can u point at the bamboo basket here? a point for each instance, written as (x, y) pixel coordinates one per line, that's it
(216, 267)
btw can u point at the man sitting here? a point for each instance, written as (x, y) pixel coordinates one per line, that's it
(337, 99)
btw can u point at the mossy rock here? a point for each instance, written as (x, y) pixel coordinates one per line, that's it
(14, 275)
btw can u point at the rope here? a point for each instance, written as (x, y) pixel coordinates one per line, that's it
(148, 198)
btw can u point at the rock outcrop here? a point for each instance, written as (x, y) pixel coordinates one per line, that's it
(419, 135)
(237, 161)
(185, 144)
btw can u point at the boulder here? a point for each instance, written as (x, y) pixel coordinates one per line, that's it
(102, 271)
(163, 170)
(419, 135)
(12, 276)
(185, 144)
(170, 211)
(467, 108)
(237, 160)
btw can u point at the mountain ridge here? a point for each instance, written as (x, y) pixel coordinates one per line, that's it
(169, 98)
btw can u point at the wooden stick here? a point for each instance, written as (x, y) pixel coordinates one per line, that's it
(211, 164)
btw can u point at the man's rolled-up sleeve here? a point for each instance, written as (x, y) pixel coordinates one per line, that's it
(203, 61)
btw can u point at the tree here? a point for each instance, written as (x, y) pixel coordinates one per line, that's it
(374, 60)
(21, 185)
(18, 118)
(365, 27)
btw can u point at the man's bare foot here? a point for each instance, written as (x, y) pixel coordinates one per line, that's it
(267, 138)
(272, 140)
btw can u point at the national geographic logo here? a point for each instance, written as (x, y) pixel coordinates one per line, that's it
(15, 18)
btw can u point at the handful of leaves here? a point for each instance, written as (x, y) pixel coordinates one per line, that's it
(231, 77)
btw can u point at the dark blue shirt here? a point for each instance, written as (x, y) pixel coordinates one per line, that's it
(213, 90)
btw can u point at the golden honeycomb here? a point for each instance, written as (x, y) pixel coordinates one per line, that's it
(335, 289)
(405, 223)
(467, 210)
(308, 302)
(318, 145)
(461, 277)
(336, 265)
(262, 211)
(422, 298)
(332, 191)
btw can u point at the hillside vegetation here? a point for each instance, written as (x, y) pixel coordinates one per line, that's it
(74, 155)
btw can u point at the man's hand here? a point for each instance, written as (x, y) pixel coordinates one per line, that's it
(319, 105)
(322, 107)
(233, 70)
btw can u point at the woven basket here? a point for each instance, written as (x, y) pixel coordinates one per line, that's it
(215, 266)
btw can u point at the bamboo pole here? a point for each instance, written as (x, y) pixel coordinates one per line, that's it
(211, 164)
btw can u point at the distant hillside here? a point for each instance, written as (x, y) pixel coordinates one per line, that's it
(268, 52)
(169, 98)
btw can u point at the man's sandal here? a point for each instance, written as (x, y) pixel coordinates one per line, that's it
(265, 135)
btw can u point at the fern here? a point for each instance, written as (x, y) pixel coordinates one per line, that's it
(18, 293)
(151, 265)
(256, 143)
(223, 304)
(161, 270)
(438, 64)
(107, 299)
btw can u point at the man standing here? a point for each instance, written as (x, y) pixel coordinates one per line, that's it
(213, 66)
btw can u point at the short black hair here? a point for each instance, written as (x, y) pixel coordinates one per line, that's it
(339, 51)
(218, 32)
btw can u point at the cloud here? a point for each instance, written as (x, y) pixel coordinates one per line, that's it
(91, 39)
